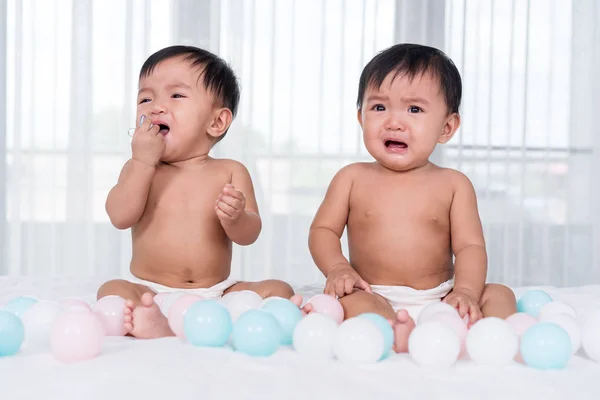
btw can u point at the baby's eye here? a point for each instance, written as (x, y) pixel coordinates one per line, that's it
(143, 101)
(378, 107)
(414, 109)
(178, 96)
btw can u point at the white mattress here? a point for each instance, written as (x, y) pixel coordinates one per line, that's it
(169, 369)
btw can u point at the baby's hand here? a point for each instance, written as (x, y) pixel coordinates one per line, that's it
(148, 145)
(342, 280)
(465, 304)
(230, 204)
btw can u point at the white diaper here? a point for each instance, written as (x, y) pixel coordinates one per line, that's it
(410, 299)
(213, 292)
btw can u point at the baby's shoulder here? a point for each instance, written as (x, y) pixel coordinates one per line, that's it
(355, 170)
(454, 178)
(228, 165)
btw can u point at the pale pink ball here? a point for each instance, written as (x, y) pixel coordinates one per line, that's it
(328, 305)
(76, 336)
(110, 311)
(73, 304)
(178, 310)
(520, 322)
(455, 323)
(159, 298)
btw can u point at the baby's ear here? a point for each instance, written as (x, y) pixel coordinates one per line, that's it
(450, 128)
(222, 118)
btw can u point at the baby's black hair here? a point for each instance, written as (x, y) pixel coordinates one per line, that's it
(413, 60)
(218, 77)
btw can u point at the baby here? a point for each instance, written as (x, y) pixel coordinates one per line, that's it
(184, 208)
(406, 217)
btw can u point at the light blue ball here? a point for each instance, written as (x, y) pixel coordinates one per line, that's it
(532, 301)
(19, 305)
(207, 323)
(385, 328)
(256, 333)
(287, 315)
(12, 333)
(546, 346)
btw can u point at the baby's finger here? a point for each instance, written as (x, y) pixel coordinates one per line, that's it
(226, 208)
(451, 301)
(475, 313)
(230, 190)
(363, 285)
(348, 286)
(339, 288)
(221, 214)
(232, 201)
(463, 308)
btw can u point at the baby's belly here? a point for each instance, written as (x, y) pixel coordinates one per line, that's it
(414, 258)
(170, 257)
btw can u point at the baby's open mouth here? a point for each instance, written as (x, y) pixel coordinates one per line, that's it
(393, 144)
(164, 129)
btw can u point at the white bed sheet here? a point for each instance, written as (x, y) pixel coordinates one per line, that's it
(170, 369)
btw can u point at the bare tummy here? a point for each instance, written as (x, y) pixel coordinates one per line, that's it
(399, 227)
(179, 241)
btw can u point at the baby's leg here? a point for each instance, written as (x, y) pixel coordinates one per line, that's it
(268, 288)
(361, 302)
(497, 301)
(143, 319)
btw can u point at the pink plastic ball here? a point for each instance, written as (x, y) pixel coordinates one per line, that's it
(455, 323)
(76, 336)
(159, 298)
(177, 313)
(328, 305)
(110, 311)
(520, 322)
(73, 304)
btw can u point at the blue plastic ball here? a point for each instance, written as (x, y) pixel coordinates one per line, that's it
(19, 305)
(287, 315)
(532, 301)
(386, 330)
(546, 346)
(207, 323)
(12, 333)
(256, 333)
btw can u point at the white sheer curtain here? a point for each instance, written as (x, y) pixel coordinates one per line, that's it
(529, 139)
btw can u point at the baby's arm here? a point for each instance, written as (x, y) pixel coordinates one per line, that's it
(237, 209)
(126, 201)
(468, 244)
(325, 233)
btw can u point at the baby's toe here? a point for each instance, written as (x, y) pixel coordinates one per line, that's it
(147, 299)
(402, 316)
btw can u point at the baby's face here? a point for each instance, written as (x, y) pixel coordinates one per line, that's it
(174, 97)
(404, 119)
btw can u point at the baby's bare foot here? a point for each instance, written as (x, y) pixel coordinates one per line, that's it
(403, 326)
(146, 321)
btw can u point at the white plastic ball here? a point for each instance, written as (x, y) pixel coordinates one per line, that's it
(492, 341)
(314, 335)
(590, 336)
(358, 340)
(570, 325)
(243, 301)
(554, 308)
(435, 308)
(38, 324)
(431, 344)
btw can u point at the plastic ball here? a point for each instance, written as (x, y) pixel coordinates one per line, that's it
(38, 324)
(76, 336)
(386, 330)
(556, 307)
(177, 313)
(73, 304)
(166, 301)
(532, 301)
(207, 323)
(314, 336)
(12, 333)
(287, 315)
(570, 325)
(435, 308)
(19, 305)
(546, 346)
(327, 305)
(110, 312)
(520, 322)
(432, 344)
(358, 340)
(455, 323)
(590, 336)
(241, 302)
(256, 333)
(492, 341)
(270, 299)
